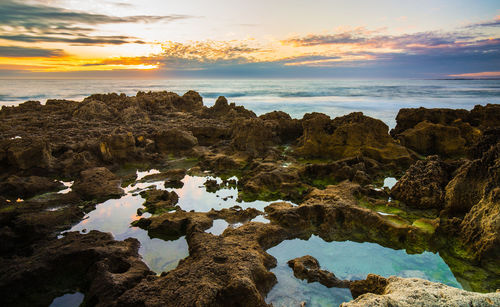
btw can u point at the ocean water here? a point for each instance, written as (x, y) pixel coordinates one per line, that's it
(377, 98)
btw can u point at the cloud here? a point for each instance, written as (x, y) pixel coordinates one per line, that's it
(490, 23)
(15, 13)
(25, 52)
(78, 40)
(41, 23)
(484, 74)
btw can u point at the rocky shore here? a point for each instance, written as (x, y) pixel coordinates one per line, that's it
(326, 172)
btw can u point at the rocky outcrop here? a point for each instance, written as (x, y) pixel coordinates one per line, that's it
(449, 133)
(418, 292)
(480, 228)
(97, 183)
(423, 184)
(349, 136)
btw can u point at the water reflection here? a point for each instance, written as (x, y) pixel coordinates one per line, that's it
(68, 300)
(347, 260)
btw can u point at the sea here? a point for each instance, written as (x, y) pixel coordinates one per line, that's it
(381, 99)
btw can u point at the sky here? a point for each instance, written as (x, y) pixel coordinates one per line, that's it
(249, 39)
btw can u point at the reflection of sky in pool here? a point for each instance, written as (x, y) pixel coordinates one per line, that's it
(115, 216)
(68, 300)
(347, 260)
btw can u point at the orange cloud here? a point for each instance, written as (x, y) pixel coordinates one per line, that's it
(484, 74)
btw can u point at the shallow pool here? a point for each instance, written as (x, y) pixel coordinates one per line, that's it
(347, 260)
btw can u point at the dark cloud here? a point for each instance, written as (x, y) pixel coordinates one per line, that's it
(313, 40)
(15, 13)
(39, 23)
(77, 40)
(493, 23)
(25, 52)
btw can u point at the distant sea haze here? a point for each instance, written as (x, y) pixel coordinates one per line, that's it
(381, 99)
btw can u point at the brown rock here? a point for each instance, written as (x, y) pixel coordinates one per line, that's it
(372, 284)
(174, 140)
(349, 136)
(29, 153)
(93, 261)
(253, 136)
(117, 147)
(24, 187)
(307, 267)
(97, 183)
(428, 138)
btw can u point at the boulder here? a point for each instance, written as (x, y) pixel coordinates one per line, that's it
(174, 140)
(97, 183)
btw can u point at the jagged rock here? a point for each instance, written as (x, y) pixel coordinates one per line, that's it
(418, 292)
(423, 184)
(307, 267)
(468, 186)
(97, 183)
(173, 140)
(24, 187)
(480, 228)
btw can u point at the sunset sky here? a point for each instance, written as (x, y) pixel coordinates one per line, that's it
(249, 39)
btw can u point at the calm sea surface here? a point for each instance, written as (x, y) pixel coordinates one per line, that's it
(377, 98)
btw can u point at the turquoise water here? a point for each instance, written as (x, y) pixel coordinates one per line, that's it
(347, 260)
(377, 98)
